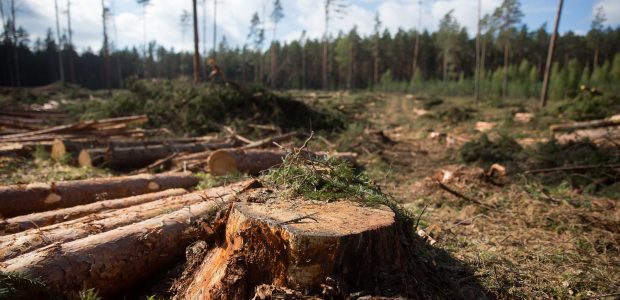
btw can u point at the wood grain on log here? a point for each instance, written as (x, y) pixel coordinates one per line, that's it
(77, 127)
(113, 261)
(138, 157)
(23, 199)
(17, 244)
(46, 218)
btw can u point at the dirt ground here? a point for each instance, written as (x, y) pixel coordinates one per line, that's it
(504, 236)
(515, 237)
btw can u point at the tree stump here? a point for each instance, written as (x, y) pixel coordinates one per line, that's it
(333, 248)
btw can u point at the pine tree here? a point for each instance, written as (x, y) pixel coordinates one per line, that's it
(277, 15)
(595, 35)
(447, 40)
(257, 37)
(507, 16)
(196, 61)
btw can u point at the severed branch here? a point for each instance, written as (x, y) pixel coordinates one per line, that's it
(457, 194)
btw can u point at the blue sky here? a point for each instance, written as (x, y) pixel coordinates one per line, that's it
(233, 18)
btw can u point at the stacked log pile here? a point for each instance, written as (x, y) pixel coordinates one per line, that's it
(109, 245)
(15, 121)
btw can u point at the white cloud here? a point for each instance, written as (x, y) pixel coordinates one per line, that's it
(233, 19)
(612, 11)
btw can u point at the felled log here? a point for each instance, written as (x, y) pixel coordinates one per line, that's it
(138, 157)
(46, 218)
(23, 199)
(74, 146)
(20, 123)
(115, 260)
(609, 122)
(92, 126)
(32, 114)
(305, 246)
(19, 243)
(226, 161)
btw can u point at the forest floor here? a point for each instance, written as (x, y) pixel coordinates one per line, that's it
(512, 235)
(518, 236)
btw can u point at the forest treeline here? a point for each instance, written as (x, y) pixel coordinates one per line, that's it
(512, 57)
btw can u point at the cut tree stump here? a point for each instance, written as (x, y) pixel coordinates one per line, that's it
(46, 218)
(304, 245)
(17, 244)
(227, 161)
(23, 199)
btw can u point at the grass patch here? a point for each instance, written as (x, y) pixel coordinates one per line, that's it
(206, 180)
(486, 152)
(20, 286)
(43, 169)
(327, 179)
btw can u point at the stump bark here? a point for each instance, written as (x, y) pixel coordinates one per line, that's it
(23, 199)
(331, 249)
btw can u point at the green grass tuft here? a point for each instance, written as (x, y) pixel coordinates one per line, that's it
(328, 179)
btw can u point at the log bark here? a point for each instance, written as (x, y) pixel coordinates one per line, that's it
(305, 246)
(227, 161)
(103, 124)
(113, 261)
(609, 122)
(17, 244)
(46, 218)
(19, 123)
(75, 146)
(138, 157)
(32, 114)
(23, 199)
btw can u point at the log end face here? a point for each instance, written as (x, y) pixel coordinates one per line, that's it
(58, 149)
(221, 162)
(84, 159)
(153, 186)
(52, 198)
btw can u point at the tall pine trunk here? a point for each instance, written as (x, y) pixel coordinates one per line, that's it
(445, 65)
(106, 53)
(60, 64)
(416, 48)
(71, 49)
(15, 45)
(325, 71)
(351, 62)
(376, 64)
(273, 64)
(505, 75)
(595, 62)
(196, 45)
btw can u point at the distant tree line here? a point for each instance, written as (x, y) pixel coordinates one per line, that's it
(512, 58)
